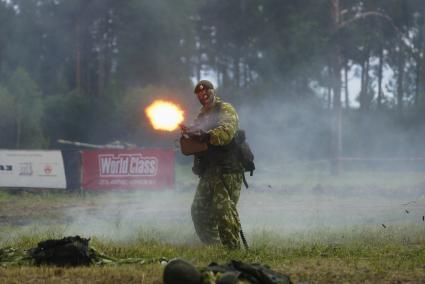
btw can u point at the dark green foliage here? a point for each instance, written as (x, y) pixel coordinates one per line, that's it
(8, 120)
(85, 70)
(23, 112)
(67, 116)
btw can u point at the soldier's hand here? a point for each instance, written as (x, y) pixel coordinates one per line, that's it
(186, 131)
(183, 128)
(202, 136)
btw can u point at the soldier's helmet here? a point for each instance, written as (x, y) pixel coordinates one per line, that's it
(203, 85)
(179, 271)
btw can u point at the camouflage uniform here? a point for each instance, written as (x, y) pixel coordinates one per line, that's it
(213, 209)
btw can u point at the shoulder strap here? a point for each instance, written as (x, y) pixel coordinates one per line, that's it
(217, 107)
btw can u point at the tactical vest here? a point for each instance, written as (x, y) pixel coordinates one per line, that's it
(218, 158)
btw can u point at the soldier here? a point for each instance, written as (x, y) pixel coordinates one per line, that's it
(213, 209)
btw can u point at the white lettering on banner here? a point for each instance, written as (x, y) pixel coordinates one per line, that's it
(127, 165)
(142, 182)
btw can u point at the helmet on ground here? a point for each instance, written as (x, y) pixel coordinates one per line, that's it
(179, 271)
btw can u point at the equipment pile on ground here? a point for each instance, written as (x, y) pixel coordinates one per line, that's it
(67, 252)
(179, 271)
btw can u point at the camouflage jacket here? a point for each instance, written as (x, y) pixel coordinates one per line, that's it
(221, 121)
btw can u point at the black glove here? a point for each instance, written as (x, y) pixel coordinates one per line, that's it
(203, 137)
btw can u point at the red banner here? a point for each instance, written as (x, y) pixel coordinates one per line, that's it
(128, 169)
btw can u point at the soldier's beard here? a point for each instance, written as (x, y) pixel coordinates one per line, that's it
(206, 101)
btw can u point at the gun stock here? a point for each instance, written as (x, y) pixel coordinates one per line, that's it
(190, 146)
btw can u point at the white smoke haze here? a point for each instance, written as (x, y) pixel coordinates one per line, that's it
(278, 209)
(130, 216)
(165, 216)
(291, 192)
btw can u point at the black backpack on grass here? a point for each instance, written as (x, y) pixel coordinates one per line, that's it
(179, 271)
(252, 272)
(68, 251)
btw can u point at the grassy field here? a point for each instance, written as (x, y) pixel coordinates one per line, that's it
(358, 228)
(366, 258)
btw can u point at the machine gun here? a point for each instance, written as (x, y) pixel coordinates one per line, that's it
(189, 142)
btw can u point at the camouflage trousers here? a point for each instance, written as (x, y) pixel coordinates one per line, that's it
(214, 213)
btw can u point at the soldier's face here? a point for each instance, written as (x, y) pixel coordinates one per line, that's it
(205, 97)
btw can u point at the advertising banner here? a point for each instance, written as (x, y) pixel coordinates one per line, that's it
(128, 169)
(34, 169)
(72, 164)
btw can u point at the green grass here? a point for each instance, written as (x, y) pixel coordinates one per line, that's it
(342, 240)
(317, 257)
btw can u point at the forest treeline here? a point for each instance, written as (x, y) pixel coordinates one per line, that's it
(82, 69)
